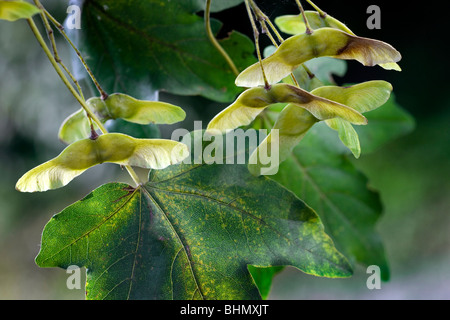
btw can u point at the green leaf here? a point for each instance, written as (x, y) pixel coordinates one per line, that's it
(263, 278)
(190, 233)
(159, 45)
(385, 124)
(15, 10)
(328, 182)
(324, 42)
(119, 106)
(113, 148)
(216, 6)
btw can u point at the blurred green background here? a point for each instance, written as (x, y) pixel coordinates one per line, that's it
(412, 173)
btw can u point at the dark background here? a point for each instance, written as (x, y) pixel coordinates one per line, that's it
(411, 172)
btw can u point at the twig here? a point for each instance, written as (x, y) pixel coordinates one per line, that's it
(256, 35)
(214, 41)
(60, 27)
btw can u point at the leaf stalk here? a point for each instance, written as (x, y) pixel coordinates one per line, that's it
(77, 96)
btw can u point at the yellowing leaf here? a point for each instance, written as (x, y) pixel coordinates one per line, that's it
(15, 10)
(113, 148)
(323, 42)
(253, 101)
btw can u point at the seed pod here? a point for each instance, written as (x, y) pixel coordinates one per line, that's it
(143, 112)
(119, 106)
(292, 124)
(323, 42)
(15, 10)
(294, 24)
(291, 24)
(253, 101)
(112, 148)
(75, 127)
(362, 97)
(347, 134)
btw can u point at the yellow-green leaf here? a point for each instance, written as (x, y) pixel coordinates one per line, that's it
(112, 148)
(253, 101)
(15, 10)
(320, 173)
(323, 42)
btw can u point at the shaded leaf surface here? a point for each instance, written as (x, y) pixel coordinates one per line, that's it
(319, 172)
(199, 5)
(386, 124)
(263, 278)
(190, 233)
(159, 45)
(327, 180)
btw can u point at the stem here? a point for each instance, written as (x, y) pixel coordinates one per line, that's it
(133, 175)
(64, 79)
(60, 27)
(214, 41)
(264, 26)
(51, 37)
(308, 28)
(61, 74)
(266, 31)
(258, 50)
(263, 19)
(322, 13)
